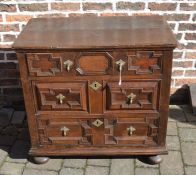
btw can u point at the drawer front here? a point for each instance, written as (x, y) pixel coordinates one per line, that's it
(63, 131)
(60, 96)
(98, 131)
(132, 131)
(132, 95)
(95, 63)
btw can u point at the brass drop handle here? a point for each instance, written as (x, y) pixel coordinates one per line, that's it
(68, 64)
(60, 97)
(64, 130)
(130, 98)
(130, 130)
(120, 64)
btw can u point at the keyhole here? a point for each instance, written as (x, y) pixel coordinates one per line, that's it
(95, 85)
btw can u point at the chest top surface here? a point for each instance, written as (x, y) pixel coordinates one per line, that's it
(96, 32)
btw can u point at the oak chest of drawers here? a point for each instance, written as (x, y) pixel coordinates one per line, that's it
(96, 85)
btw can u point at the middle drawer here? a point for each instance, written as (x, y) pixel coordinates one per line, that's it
(96, 97)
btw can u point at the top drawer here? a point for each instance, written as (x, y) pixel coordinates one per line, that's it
(95, 63)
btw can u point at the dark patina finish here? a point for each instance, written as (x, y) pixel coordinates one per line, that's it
(96, 85)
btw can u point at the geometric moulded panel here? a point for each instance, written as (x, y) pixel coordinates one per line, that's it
(145, 62)
(131, 95)
(61, 96)
(43, 64)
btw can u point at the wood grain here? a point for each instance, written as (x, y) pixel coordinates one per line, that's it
(96, 32)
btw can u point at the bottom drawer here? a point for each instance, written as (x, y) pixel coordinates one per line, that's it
(98, 131)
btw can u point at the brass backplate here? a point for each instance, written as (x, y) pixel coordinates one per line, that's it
(64, 129)
(61, 97)
(95, 85)
(97, 123)
(68, 63)
(130, 130)
(120, 62)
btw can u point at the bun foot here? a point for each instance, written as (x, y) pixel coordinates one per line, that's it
(152, 160)
(40, 160)
(155, 159)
